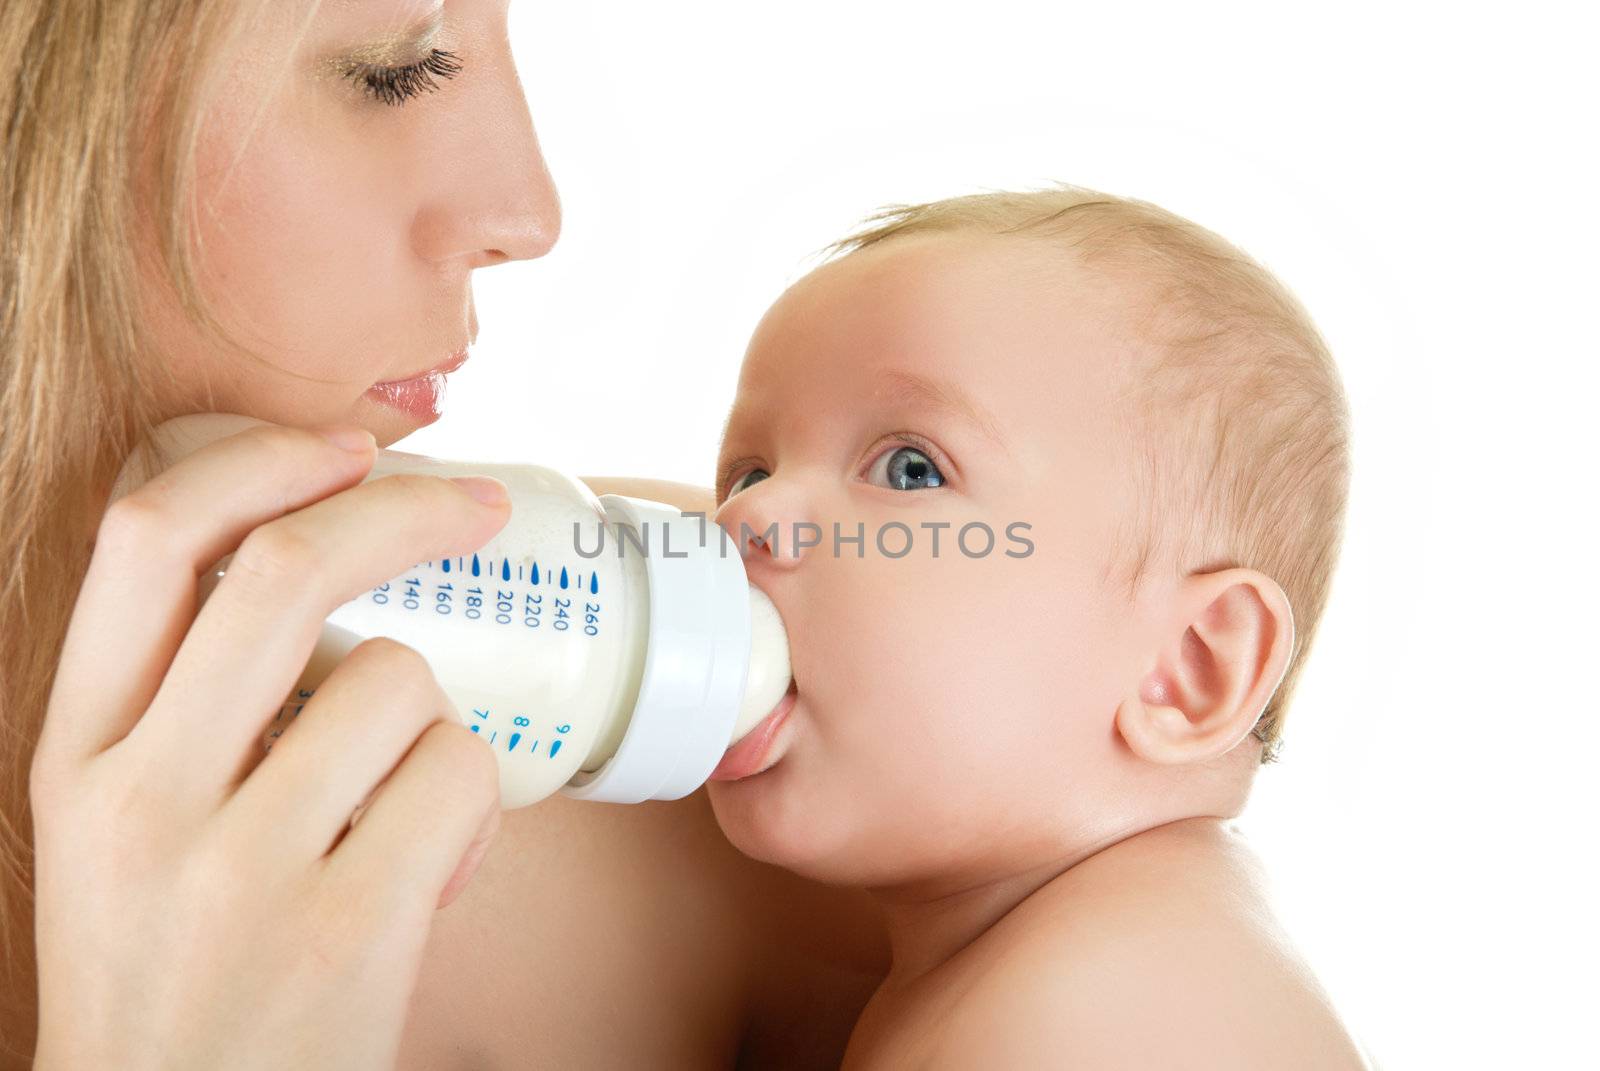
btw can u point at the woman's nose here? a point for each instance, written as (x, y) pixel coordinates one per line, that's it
(493, 198)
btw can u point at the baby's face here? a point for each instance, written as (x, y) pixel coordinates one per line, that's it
(956, 708)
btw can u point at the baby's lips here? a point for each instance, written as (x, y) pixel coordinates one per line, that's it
(747, 755)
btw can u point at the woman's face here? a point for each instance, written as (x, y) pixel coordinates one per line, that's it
(341, 245)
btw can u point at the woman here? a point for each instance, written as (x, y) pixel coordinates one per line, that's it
(273, 208)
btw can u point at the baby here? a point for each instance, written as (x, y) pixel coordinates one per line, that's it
(1047, 487)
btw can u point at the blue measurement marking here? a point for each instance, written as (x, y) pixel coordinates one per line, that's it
(446, 564)
(563, 578)
(512, 746)
(493, 735)
(474, 565)
(555, 746)
(505, 569)
(594, 583)
(475, 728)
(536, 572)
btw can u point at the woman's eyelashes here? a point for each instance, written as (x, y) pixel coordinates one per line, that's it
(396, 85)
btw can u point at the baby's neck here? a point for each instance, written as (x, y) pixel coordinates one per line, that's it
(931, 924)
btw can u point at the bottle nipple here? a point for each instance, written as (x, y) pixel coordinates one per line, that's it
(769, 673)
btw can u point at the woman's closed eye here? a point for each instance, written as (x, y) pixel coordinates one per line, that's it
(396, 85)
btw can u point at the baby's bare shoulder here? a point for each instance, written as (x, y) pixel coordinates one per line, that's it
(1145, 964)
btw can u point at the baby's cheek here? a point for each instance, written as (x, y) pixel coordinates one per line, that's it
(981, 657)
(930, 648)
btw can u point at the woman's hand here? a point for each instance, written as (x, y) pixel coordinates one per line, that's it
(199, 905)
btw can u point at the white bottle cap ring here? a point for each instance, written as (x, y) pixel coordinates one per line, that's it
(696, 657)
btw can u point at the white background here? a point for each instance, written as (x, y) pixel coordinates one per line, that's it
(1418, 174)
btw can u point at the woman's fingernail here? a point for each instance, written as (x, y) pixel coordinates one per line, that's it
(355, 440)
(486, 489)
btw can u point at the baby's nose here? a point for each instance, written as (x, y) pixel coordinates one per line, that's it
(753, 542)
(767, 522)
(764, 535)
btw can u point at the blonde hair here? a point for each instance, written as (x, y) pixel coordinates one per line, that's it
(1244, 452)
(100, 107)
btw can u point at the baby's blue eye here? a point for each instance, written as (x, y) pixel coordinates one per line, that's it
(745, 481)
(909, 469)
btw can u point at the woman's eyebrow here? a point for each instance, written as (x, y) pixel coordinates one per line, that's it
(911, 387)
(403, 42)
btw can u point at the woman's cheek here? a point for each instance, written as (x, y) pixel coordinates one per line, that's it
(307, 230)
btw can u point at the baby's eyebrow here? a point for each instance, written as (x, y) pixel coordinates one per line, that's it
(911, 387)
(722, 446)
(727, 425)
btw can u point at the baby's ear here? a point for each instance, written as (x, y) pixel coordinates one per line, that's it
(1227, 648)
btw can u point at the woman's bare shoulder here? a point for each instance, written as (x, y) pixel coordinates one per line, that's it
(605, 934)
(686, 496)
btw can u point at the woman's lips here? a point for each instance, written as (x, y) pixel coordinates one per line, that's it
(749, 755)
(421, 396)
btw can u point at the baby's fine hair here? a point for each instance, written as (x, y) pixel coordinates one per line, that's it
(1243, 428)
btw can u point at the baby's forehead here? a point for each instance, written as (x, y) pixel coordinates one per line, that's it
(1016, 321)
(1002, 355)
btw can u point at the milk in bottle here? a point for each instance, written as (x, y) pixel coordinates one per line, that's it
(606, 647)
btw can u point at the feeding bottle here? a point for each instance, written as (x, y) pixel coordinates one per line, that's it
(606, 647)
